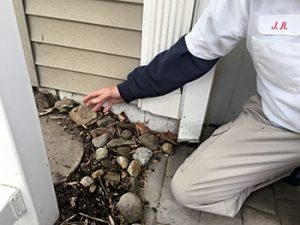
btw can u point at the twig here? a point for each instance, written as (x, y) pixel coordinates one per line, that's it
(68, 219)
(111, 220)
(47, 112)
(94, 218)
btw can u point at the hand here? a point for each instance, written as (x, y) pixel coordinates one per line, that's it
(105, 97)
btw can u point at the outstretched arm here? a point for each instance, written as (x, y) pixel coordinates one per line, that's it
(217, 32)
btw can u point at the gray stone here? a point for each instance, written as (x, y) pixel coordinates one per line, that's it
(101, 153)
(134, 168)
(170, 212)
(99, 131)
(120, 142)
(212, 219)
(83, 115)
(107, 163)
(150, 141)
(100, 141)
(143, 155)
(283, 190)
(87, 181)
(123, 161)
(288, 211)
(252, 216)
(105, 121)
(262, 199)
(167, 148)
(130, 207)
(124, 151)
(126, 134)
(65, 105)
(64, 151)
(44, 100)
(113, 179)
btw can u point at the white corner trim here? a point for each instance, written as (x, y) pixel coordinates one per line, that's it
(195, 97)
(194, 104)
(164, 22)
(23, 159)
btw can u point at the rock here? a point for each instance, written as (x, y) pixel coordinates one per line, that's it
(130, 207)
(82, 115)
(120, 142)
(105, 121)
(124, 151)
(64, 151)
(107, 163)
(112, 178)
(97, 173)
(132, 185)
(73, 201)
(93, 188)
(44, 100)
(123, 161)
(143, 155)
(100, 141)
(101, 153)
(87, 181)
(124, 174)
(126, 134)
(99, 131)
(149, 140)
(134, 168)
(167, 148)
(65, 105)
(128, 126)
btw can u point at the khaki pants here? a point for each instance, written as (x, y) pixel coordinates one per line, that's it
(240, 157)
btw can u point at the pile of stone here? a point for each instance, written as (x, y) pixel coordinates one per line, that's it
(105, 188)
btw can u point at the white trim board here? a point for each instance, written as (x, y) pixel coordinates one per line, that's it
(164, 22)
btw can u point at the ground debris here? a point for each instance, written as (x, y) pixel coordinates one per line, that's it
(115, 163)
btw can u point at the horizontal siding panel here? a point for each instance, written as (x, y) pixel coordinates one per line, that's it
(84, 61)
(72, 81)
(131, 1)
(85, 36)
(108, 13)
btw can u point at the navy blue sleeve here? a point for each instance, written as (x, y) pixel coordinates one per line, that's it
(167, 72)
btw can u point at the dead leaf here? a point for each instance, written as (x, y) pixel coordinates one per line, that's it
(141, 128)
(167, 136)
(123, 117)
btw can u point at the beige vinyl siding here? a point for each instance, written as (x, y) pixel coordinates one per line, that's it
(72, 81)
(108, 13)
(99, 64)
(82, 45)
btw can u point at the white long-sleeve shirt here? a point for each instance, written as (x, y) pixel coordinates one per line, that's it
(272, 30)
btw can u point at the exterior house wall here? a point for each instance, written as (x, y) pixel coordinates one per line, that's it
(234, 83)
(83, 45)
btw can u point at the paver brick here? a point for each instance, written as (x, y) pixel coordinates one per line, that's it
(256, 217)
(176, 160)
(211, 219)
(288, 211)
(152, 191)
(283, 190)
(172, 213)
(262, 199)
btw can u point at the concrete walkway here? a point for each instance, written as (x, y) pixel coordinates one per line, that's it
(278, 204)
